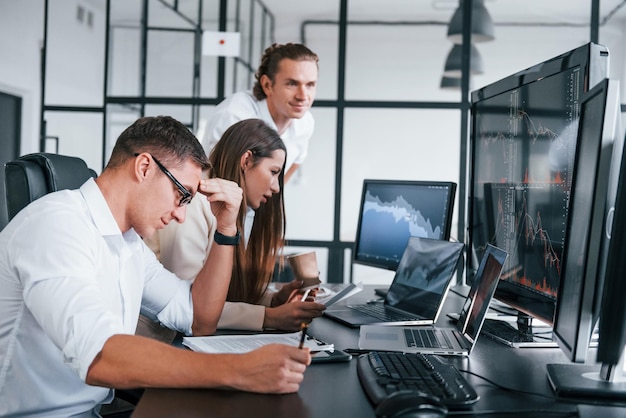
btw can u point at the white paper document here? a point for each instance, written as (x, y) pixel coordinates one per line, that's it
(245, 343)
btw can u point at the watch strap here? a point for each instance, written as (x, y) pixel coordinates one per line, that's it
(222, 239)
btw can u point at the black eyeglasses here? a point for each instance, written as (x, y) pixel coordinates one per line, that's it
(187, 196)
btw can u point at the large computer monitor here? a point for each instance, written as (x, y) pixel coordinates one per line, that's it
(523, 142)
(594, 261)
(393, 210)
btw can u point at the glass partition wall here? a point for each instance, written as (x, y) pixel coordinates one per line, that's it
(381, 109)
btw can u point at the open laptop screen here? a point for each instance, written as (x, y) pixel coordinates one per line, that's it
(480, 294)
(424, 275)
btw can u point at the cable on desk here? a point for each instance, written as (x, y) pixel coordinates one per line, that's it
(543, 412)
(524, 392)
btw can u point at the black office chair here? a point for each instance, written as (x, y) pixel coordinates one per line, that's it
(33, 175)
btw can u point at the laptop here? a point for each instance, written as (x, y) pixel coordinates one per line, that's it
(417, 292)
(439, 340)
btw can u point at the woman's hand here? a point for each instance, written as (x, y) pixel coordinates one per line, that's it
(290, 316)
(287, 293)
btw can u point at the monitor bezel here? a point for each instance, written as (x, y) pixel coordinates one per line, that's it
(601, 292)
(612, 330)
(582, 279)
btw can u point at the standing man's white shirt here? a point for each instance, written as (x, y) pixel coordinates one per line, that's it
(98, 275)
(243, 105)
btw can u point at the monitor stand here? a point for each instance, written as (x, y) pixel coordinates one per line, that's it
(588, 382)
(520, 332)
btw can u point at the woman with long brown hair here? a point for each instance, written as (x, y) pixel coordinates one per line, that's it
(251, 154)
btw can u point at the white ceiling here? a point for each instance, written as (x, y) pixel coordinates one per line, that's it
(502, 11)
(294, 12)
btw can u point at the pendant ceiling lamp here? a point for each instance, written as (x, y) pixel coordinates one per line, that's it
(451, 83)
(482, 24)
(454, 61)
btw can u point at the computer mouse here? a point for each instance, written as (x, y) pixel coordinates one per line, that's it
(411, 404)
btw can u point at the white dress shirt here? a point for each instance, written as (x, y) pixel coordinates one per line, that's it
(243, 105)
(69, 280)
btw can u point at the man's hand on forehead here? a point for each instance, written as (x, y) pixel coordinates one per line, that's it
(225, 197)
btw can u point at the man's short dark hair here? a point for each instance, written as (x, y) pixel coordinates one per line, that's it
(164, 137)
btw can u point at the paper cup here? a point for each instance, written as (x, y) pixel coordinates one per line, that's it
(304, 266)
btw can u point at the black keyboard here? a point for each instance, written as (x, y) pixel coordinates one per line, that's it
(506, 331)
(383, 373)
(379, 311)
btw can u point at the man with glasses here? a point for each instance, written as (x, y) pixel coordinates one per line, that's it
(75, 273)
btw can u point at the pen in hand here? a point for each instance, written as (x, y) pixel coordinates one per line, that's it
(305, 295)
(303, 329)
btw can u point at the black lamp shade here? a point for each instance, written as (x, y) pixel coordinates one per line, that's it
(454, 61)
(452, 83)
(482, 24)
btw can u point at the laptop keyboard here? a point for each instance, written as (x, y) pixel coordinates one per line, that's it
(383, 373)
(379, 311)
(503, 330)
(425, 338)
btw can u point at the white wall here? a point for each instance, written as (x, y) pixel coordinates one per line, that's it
(75, 71)
(75, 77)
(21, 35)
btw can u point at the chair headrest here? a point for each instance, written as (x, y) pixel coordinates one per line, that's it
(61, 171)
(34, 175)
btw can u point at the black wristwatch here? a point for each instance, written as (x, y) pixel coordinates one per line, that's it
(222, 239)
